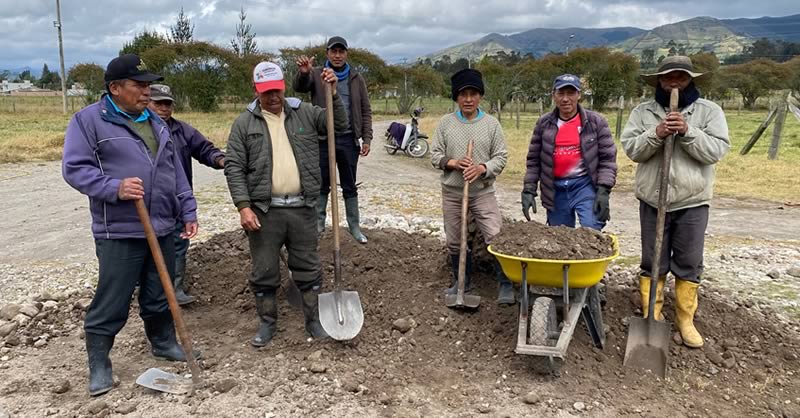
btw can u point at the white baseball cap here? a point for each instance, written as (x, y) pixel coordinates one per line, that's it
(268, 76)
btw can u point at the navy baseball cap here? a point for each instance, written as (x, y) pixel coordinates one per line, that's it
(337, 41)
(129, 66)
(565, 80)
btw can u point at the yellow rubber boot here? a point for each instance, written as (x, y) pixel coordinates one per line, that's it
(685, 307)
(644, 290)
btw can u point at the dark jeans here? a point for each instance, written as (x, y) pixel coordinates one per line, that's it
(297, 229)
(124, 264)
(684, 240)
(181, 247)
(347, 153)
(574, 196)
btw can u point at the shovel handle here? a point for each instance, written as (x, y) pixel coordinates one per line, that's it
(337, 256)
(462, 254)
(661, 217)
(166, 283)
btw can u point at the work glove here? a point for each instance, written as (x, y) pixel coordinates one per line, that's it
(528, 202)
(601, 209)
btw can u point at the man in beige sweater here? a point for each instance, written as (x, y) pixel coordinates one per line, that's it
(489, 157)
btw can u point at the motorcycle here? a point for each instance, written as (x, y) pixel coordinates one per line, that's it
(407, 137)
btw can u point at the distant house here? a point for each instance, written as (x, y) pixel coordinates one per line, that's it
(77, 89)
(35, 92)
(7, 87)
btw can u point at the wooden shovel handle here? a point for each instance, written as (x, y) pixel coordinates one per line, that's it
(462, 254)
(337, 259)
(166, 283)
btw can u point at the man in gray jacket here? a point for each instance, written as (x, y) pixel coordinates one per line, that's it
(272, 168)
(355, 97)
(701, 140)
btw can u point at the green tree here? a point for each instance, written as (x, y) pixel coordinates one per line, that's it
(46, 77)
(142, 42)
(756, 79)
(90, 77)
(793, 68)
(712, 87)
(244, 43)
(648, 58)
(608, 75)
(183, 29)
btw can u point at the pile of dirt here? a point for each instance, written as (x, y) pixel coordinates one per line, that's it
(535, 240)
(415, 357)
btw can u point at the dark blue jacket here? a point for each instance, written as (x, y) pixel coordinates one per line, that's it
(192, 144)
(100, 150)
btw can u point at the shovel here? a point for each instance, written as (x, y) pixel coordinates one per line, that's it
(157, 379)
(648, 339)
(293, 295)
(340, 311)
(460, 300)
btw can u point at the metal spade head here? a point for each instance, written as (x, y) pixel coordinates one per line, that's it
(340, 314)
(157, 379)
(648, 345)
(464, 302)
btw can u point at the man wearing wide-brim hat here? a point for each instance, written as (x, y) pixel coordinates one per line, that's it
(701, 140)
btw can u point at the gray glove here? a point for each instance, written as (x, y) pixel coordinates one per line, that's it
(528, 202)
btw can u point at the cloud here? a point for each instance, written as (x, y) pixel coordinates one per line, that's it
(94, 31)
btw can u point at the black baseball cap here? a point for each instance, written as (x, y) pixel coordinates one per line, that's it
(337, 40)
(129, 67)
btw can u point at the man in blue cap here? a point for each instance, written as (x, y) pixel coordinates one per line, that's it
(573, 161)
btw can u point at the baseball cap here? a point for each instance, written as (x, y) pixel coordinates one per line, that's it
(565, 80)
(268, 76)
(336, 40)
(129, 67)
(159, 92)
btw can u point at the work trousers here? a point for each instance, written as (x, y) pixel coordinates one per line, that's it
(574, 196)
(483, 208)
(181, 248)
(684, 240)
(347, 152)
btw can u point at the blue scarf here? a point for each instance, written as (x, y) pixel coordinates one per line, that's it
(341, 75)
(141, 118)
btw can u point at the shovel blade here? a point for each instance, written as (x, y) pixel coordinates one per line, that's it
(468, 301)
(648, 345)
(342, 322)
(157, 379)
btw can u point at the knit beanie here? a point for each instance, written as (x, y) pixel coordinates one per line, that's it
(464, 79)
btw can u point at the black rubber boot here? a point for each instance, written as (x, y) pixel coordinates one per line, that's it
(505, 289)
(453, 289)
(267, 308)
(98, 348)
(311, 313)
(322, 205)
(177, 283)
(160, 331)
(353, 219)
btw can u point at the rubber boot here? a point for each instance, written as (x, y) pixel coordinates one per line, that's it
(267, 308)
(322, 206)
(98, 348)
(453, 289)
(160, 331)
(353, 219)
(685, 307)
(180, 292)
(644, 290)
(311, 313)
(505, 289)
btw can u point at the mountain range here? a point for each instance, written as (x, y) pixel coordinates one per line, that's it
(724, 37)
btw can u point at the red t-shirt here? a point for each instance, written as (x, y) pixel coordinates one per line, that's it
(567, 159)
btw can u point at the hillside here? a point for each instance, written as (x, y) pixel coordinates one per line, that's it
(690, 36)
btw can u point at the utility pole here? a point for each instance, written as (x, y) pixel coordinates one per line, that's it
(568, 41)
(57, 24)
(405, 75)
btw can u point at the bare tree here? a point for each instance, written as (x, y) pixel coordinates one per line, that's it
(183, 29)
(244, 43)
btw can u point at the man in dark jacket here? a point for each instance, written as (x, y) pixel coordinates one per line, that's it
(573, 160)
(190, 144)
(272, 168)
(115, 152)
(352, 141)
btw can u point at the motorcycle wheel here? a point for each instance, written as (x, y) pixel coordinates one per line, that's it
(418, 149)
(390, 146)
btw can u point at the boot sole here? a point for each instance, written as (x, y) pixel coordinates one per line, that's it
(101, 391)
(259, 345)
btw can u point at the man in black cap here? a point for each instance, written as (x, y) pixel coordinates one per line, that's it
(116, 152)
(350, 143)
(190, 143)
(489, 156)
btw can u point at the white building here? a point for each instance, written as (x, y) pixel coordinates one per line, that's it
(7, 87)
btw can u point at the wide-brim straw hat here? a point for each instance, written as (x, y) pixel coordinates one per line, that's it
(675, 63)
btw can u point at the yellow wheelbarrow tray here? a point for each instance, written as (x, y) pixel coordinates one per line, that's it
(547, 273)
(539, 334)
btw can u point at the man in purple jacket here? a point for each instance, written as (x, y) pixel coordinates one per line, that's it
(190, 144)
(573, 160)
(115, 152)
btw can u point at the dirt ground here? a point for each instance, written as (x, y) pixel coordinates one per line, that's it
(414, 357)
(535, 240)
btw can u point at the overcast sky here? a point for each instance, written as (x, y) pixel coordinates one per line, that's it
(94, 31)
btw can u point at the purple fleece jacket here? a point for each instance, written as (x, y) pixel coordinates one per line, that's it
(100, 150)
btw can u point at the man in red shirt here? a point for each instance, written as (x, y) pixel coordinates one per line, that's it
(572, 159)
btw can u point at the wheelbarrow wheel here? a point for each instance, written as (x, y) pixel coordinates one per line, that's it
(543, 330)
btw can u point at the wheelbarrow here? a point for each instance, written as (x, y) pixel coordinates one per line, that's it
(575, 282)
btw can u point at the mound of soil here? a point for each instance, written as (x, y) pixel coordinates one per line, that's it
(535, 240)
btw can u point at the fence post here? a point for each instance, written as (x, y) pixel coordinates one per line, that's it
(516, 107)
(499, 114)
(619, 116)
(777, 130)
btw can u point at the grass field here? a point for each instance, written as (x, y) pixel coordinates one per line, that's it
(34, 130)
